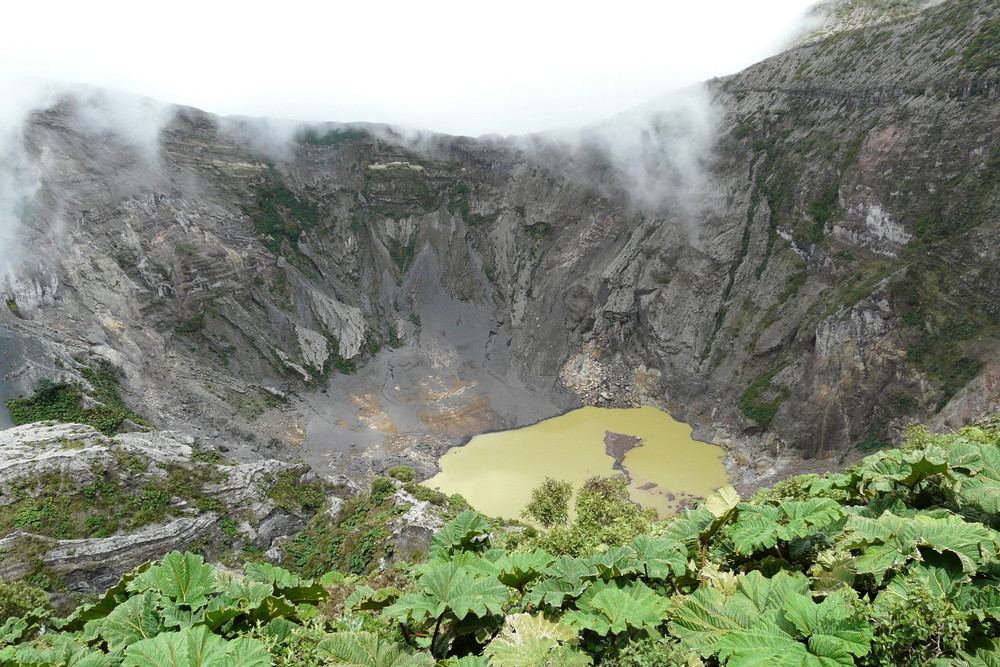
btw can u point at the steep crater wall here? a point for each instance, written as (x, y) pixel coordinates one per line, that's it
(821, 274)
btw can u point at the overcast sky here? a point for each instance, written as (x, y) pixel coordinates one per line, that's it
(456, 66)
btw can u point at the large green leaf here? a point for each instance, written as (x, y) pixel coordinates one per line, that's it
(800, 518)
(723, 506)
(184, 577)
(446, 588)
(521, 568)
(287, 585)
(220, 611)
(760, 526)
(567, 578)
(965, 456)
(688, 526)
(756, 528)
(661, 558)
(942, 582)
(196, 647)
(892, 469)
(248, 594)
(64, 651)
(922, 465)
(367, 649)
(832, 569)
(365, 598)
(271, 608)
(829, 626)
(832, 484)
(464, 661)
(805, 633)
(269, 573)
(528, 640)
(768, 645)
(890, 541)
(759, 595)
(614, 562)
(135, 619)
(469, 529)
(705, 617)
(984, 602)
(701, 619)
(516, 570)
(12, 630)
(981, 487)
(614, 607)
(985, 655)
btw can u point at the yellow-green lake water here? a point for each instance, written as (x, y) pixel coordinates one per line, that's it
(497, 471)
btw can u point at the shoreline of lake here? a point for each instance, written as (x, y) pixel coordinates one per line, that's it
(668, 470)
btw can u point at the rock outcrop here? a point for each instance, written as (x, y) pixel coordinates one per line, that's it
(81, 509)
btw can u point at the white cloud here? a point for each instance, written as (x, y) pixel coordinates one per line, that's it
(448, 65)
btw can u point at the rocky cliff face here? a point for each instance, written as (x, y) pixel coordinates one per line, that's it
(800, 257)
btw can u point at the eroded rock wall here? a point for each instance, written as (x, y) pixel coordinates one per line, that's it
(818, 269)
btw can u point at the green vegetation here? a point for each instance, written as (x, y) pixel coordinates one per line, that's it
(990, 176)
(821, 210)
(278, 214)
(549, 504)
(20, 598)
(982, 53)
(422, 493)
(192, 325)
(337, 362)
(760, 401)
(357, 536)
(402, 255)
(874, 442)
(604, 515)
(460, 201)
(182, 612)
(62, 401)
(123, 497)
(396, 192)
(330, 137)
(942, 335)
(538, 231)
(295, 497)
(382, 487)
(394, 341)
(334, 362)
(892, 562)
(402, 473)
(349, 542)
